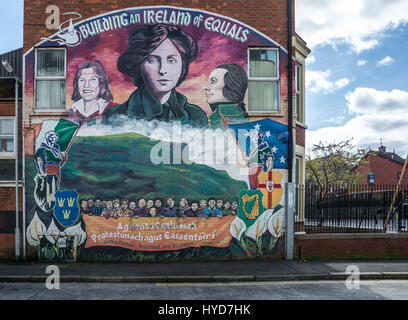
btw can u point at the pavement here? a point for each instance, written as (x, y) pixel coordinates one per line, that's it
(208, 271)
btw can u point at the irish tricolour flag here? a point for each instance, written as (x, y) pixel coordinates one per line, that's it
(65, 129)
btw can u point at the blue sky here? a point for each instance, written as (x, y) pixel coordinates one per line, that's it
(356, 77)
(344, 100)
(11, 25)
(324, 108)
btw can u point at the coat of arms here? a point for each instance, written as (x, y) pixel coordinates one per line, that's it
(250, 206)
(66, 209)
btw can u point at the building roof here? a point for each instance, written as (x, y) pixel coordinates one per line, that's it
(390, 156)
(15, 58)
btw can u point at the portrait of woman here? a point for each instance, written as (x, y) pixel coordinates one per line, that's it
(157, 59)
(92, 94)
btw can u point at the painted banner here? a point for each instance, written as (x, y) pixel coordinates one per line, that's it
(154, 234)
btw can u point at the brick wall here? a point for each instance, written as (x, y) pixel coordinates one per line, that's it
(385, 171)
(300, 136)
(351, 246)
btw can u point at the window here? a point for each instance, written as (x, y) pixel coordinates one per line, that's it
(371, 178)
(50, 79)
(298, 92)
(263, 81)
(7, 136)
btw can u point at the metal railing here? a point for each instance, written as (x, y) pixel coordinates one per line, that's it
(352, 208)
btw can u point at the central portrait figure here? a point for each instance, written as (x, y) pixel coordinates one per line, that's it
(157, 59)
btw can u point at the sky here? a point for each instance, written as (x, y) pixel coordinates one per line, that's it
(356, 83)
(356, 79)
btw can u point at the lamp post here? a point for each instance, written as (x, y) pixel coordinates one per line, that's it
(9, 69)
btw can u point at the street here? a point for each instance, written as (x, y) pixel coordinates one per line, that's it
(293, 290)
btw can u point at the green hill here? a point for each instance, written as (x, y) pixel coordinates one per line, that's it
(119, 166)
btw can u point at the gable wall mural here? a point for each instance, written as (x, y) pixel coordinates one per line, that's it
(155, 157)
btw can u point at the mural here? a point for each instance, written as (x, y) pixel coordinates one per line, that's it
(156, 157)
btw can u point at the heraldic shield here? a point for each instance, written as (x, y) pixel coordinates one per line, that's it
(66, 209)
(250, 206)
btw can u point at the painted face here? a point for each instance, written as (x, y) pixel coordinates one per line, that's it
(52, 138)
(219, 203)
(142, 203)
(203, 203)
(98, 203)
(211, 203)
(90, 203)
(214, 86)
(84, 204)
(227, 205)
(183, 203)
(124, 205)
(88, 85)
(194, 206)
(132, 205)
(234, 205)
(158, 203)
(109, 205)
(153, 211)
(162, 69)
(116, 205)
(150, 203)
(170, 202)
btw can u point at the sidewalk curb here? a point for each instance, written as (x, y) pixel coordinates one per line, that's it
(210, 279)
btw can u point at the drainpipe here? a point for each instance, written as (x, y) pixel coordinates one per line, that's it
(290, 93)
(17, 231)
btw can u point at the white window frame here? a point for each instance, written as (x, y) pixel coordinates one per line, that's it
(36, 77)
(271, 79)
(8, 155)
(300, 118)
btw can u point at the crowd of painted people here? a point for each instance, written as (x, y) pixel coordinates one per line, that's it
(154, 208)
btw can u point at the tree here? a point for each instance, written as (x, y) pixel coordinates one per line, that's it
(331, 167)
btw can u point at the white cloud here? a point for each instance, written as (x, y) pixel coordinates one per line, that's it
(361, 62)
(318, 81)
(385, 62)
(359, 23)
(336, 120)
(310, 59)
(378, 114)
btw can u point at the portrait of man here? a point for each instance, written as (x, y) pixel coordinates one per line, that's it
(92, 94)
(97, 207)
(225, 93)
(193, 211)
(171, 210)
(157, 59)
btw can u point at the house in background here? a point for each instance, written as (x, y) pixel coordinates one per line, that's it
(7, 149)
(382, 167)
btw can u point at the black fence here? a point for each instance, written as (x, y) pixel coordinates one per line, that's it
(354, 208)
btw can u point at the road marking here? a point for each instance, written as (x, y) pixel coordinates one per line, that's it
(266, 283)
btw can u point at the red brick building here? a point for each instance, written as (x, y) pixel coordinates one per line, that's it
(382, 168)
(252, 35)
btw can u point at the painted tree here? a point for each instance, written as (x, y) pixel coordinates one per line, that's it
(330, 169)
